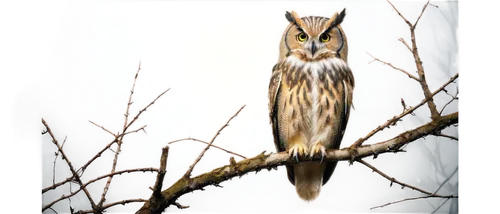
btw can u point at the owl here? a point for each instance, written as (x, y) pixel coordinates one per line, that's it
(310, 97)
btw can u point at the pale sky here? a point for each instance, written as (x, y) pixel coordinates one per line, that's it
(216, 56)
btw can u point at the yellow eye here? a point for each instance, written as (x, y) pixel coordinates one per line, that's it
(324, 37)
(302, 37)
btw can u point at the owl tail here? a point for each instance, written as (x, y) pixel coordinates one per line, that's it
(308, 180)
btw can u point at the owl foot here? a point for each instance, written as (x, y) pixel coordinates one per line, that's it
(298, 150)
(316, 148)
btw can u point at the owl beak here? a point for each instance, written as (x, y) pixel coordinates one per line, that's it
(313, 48)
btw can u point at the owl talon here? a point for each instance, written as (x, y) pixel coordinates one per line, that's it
(318, 148)
(298, 150)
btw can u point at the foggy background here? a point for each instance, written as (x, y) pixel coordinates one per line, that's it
(217, 56)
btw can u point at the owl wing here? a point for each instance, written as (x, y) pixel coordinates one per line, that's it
(275, 89)
(342, 120)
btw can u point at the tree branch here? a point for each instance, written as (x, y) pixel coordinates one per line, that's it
(161, 173)
(114, 204)
(188, 172)
(395, 119)
(392, 66)
(415, 198)
(423, 9)
(268, 161)
(406, 44)
(418, 62)
(120, 140)
(447, 136)
(201, 141)
(393, 180)
(102, 127)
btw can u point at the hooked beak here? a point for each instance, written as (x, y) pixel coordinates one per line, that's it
(313, 48)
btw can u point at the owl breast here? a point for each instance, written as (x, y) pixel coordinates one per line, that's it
(315, 99)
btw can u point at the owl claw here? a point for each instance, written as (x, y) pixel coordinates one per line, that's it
(318, 148)
(298, 150)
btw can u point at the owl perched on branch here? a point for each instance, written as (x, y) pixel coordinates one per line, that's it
(310, 96)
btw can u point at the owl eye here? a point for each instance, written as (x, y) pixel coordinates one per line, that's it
(324, 37)
(302, 37)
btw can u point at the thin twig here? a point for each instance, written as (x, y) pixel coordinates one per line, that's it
(397, 118)
(447, 136)
(453, 97)
(396, 68)
(55, 160)
(54, 169)
(201, 141)
(188, 172)
(102, 127)
(143, 128)
(98, 154)
(423, 9)
(145, 108)
(57, 184)
(415, 198)
(406, 44)
(403, 104)
(444, 202)
(447, 179)
(393, 180)
(114, 204)
(397, 11)
(72, 169)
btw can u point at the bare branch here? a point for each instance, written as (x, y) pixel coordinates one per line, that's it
(447, 136)
(392, 66)
(149, 169)
(404, 106)
(144, 109)
(161, 173)
(126, 125)
(268, 161)
(72, 169)
(397, 118)
(114, 204)
(403, 41)
(415, 198)
(423, 9)
(57, 184)
(400, 14)
(188, 172)
(102, 127)
(113, 168)
(201, 141)
(393, 180)
(447, 179)
(130, 98)
(143, 128)
(98, 154)
(453, 98)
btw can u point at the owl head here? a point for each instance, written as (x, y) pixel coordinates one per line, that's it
(314, 37)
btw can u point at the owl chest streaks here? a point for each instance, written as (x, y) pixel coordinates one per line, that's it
(312, 98)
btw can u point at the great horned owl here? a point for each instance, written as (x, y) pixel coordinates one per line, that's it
(310, 96)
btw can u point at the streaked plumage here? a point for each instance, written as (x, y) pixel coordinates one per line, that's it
(310, 96)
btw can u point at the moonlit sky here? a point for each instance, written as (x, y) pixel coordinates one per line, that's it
(215, 56)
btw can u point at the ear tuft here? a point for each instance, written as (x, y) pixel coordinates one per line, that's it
(289, 17)
(340, 17)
